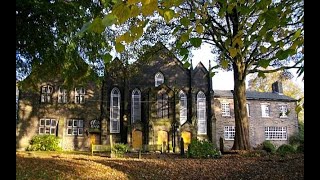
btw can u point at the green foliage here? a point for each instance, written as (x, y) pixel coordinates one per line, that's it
(297, 139)
(300, 148)
(44, 143)
(119, 149)
(268, 146)
(285, 149)
(202, 149)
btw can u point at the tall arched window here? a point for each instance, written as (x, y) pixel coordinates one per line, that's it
(162, 105)
(115, 111)
(183, 107)
(135, 105)
(158, 79)
(201, 113)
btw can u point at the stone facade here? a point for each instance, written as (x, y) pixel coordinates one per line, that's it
(111, 106)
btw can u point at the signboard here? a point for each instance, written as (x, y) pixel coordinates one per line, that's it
(94, 126)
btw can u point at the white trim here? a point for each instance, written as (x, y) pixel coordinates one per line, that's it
(115, 110)
(201, 113)
(183, 107)
(225, 109)
(135, 105)
(275, 133)
(229, 132)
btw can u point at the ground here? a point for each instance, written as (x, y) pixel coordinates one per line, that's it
(53, 165)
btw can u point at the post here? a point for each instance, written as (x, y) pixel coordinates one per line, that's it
(221, 145)
(181, 147)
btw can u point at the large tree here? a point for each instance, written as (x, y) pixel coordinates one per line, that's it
(248, 35)
(49, 40)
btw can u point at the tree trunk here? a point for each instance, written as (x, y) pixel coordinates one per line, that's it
(241, 139)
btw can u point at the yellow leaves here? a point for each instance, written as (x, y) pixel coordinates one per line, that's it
(168, 15)
(233, 52)
(199, 29)
(119, 47)
(122, 11)
(149, 6)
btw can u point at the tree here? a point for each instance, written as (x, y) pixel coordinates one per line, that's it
(49, 40)
(249, 36)
(290, 88)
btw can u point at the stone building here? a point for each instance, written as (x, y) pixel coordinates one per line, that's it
(150, 103)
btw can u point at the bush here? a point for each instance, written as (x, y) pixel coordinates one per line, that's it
(268, 146)
(119, 149)
(300, 148)
(298, 138)
(285, 149)
(44, 143)
(202, 149)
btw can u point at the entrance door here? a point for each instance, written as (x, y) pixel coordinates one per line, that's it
(136, 139)
(186, 139)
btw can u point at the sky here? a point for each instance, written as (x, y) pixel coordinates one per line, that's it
(223, 80)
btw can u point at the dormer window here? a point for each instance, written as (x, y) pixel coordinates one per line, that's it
(46, 93)
(158, 79)
(62, 95)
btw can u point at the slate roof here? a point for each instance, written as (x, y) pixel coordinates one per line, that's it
(255, 95)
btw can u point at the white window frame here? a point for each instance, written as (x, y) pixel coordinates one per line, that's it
(276, 133)
(183, 107)
(79, 95)
(47, 126)
(248, 109)
(225, 109)
(201, 113)
(162, 105)
(283, 108)
(158, 79)
(229, 132)
(115, 108)
(46, 94)
(75, 127)
(62, 95)
(135, 105)
(265, 110)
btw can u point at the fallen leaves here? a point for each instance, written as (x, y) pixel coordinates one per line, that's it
(156, 166)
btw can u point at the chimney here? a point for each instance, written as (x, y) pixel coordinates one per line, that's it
(277, 87)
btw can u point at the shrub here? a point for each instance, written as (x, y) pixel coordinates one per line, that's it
(119, 149)
(300, 148)
(285, 149)
(268, 146)
(202, 149)
(298, 138)
(44, 143)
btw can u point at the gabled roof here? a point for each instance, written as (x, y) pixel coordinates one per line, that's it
(200, 66)
(255, 95)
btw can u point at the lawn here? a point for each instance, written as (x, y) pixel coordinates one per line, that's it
(53, 165)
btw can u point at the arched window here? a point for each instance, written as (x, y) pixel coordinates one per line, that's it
(158, 79)
(201, 113)
(135, 105)
(162, 105)
(183, 107)
(115, 111)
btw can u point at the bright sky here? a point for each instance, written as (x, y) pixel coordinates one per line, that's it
(222, 80)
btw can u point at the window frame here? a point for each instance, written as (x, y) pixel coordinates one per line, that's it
(183, 113)
(115, 121)
(135, 101)
(162, 105)
(229, 132)
(62, 95)
(275, 133)
(283, 114)
(225, 109)
(46, 94)
(50, 126)
(158, 79)
(79, 97)
(263, 111)
(201, 113)
(75, 127)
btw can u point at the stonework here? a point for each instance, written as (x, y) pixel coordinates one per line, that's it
(150, 128)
